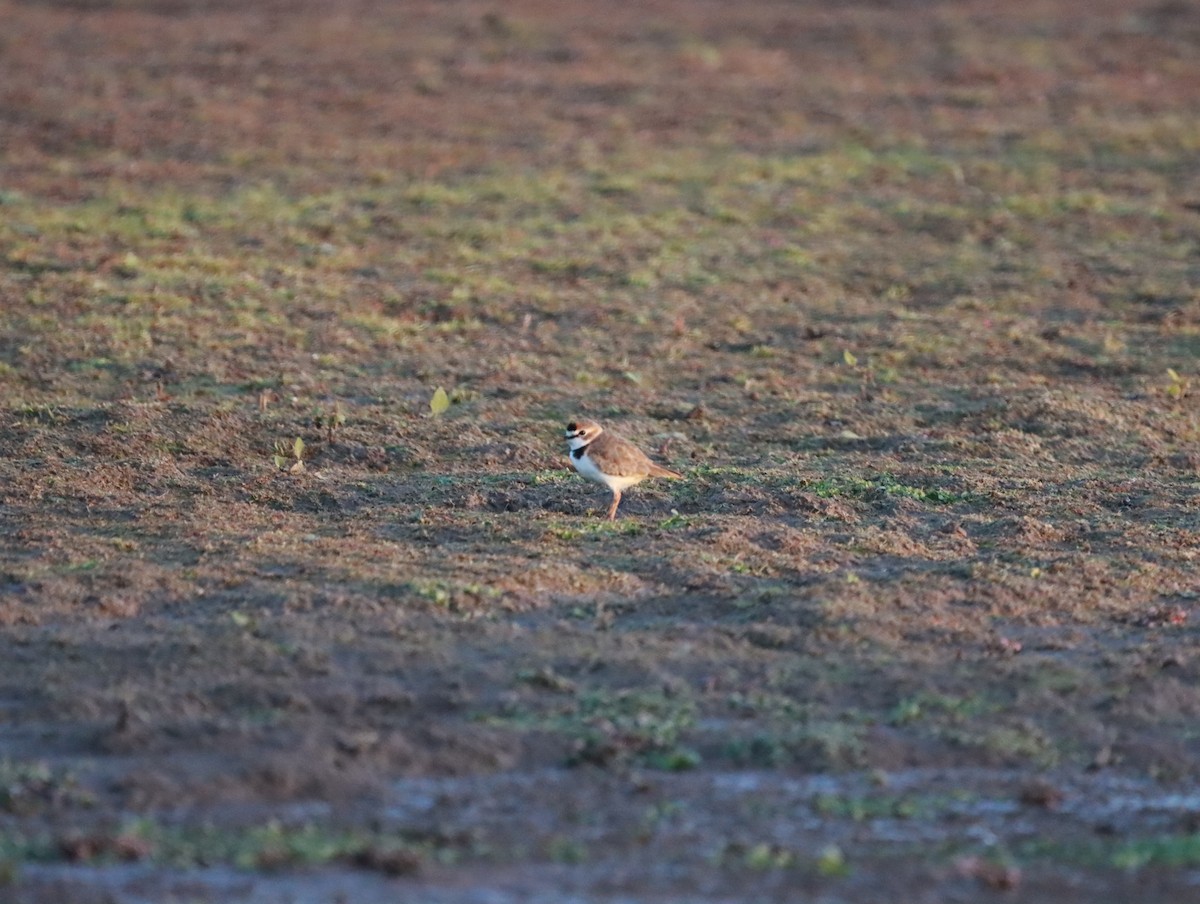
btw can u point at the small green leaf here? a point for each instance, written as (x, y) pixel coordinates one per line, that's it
(1173, 374)
(298, 448)
(761, 856)
(440, 402)
(129, 267)
(678, 760)
(831, 861)
(849, 358)
(281, 462)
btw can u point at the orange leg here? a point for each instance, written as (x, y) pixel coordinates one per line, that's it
(612, 509)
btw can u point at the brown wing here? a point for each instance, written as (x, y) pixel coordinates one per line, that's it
(660, 471)
(623, 459)
(618, 457)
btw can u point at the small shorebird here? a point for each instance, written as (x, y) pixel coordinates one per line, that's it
(606, 458)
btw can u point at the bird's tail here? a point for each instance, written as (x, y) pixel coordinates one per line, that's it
(660, 471)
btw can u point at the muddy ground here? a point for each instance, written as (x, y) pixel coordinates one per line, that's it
(907, 291)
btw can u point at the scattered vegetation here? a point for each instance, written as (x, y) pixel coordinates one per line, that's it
(897, 293)
(271, 846)
(290, 457)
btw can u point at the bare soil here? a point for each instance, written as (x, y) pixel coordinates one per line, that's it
(910, 294)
